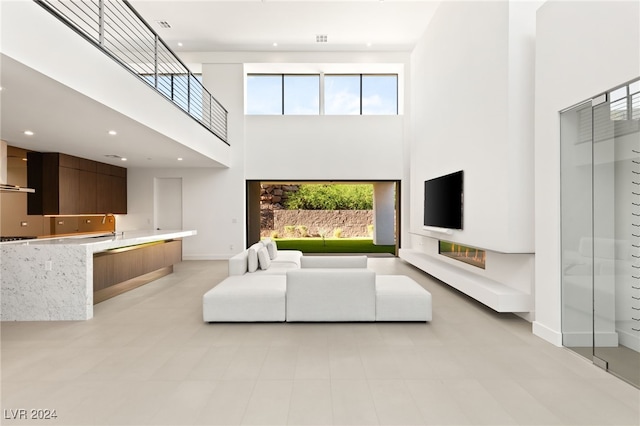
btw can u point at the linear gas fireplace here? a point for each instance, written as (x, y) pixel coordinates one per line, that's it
(470, 255)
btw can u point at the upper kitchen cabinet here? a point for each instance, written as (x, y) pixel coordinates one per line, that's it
(68, 185)
(111, 189)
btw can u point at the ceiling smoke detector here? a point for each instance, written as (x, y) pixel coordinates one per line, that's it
(321, 38)
(163, 24)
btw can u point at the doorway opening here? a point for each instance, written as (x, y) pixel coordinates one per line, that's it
(326, 217)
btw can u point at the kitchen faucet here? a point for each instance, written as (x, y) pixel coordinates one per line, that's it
(104, 220)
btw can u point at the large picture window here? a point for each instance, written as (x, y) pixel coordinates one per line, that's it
(343, 94)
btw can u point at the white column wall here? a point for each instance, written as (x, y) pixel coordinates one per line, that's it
(384, 207)
(472, 111)
(579, 54)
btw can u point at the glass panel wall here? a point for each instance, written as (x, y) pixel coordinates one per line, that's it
(600, 199)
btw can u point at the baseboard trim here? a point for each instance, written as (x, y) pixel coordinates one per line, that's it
(546, 333)
(206, 256)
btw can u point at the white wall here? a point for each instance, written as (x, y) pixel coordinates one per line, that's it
(324, 147)
(582, 49)
(472, 111)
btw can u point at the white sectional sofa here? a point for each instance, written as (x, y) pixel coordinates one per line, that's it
(333, 262)
(332, 294)
(295, 288)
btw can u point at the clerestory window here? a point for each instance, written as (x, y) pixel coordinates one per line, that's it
(301, 94)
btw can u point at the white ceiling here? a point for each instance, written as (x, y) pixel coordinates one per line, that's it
(254, 25)
(70, 122)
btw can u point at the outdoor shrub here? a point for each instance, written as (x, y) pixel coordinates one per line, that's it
(274, 234)
(370, 230)
(289, 230)
(331, 197)
(337, 233)
(303, 231)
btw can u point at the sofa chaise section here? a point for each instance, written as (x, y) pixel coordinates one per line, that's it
(246, 298)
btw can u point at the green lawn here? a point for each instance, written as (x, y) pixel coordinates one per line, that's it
(333, 245)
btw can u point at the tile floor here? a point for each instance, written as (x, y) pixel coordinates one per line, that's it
(148, 359)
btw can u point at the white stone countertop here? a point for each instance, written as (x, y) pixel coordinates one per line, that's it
(51, 279)
(97, 243)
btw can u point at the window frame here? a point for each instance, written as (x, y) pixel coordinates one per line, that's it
(322, 89)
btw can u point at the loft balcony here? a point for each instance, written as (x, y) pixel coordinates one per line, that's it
(120, 70)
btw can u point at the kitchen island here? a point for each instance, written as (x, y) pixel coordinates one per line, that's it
(53, 279)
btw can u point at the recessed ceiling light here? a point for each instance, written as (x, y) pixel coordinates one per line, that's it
(368, 44)
(123, 159)
(179, 44)
(113, 132)
(28, 133)
(179, 158)
(275, 44)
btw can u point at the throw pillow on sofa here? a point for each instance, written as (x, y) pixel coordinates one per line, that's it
(252, 257)
(263, 258)
(272, 248)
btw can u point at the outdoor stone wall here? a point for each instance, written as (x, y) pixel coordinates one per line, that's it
(353, 223)
(274, 218)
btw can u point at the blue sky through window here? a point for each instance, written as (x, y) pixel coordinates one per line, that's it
(302, 94)
(379, 94)
(342, 94)
(264, 94)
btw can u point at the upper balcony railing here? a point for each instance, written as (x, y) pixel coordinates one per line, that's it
(116, 28)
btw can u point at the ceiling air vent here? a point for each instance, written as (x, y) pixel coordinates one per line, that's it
(163, 24)
(321, 38)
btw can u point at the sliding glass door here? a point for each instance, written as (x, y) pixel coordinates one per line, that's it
(600, 199)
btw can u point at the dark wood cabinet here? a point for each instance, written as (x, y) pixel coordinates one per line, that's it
(111, 189)
(71, 185)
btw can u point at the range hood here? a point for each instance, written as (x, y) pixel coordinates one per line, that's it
(14, 188)
(16, 157)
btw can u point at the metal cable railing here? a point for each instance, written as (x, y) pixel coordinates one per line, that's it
(116, 28)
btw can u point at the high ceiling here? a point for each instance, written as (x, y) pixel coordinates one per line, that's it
(66, 120)
(255, 25)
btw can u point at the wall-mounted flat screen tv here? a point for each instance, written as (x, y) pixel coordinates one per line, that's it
(443, 201)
